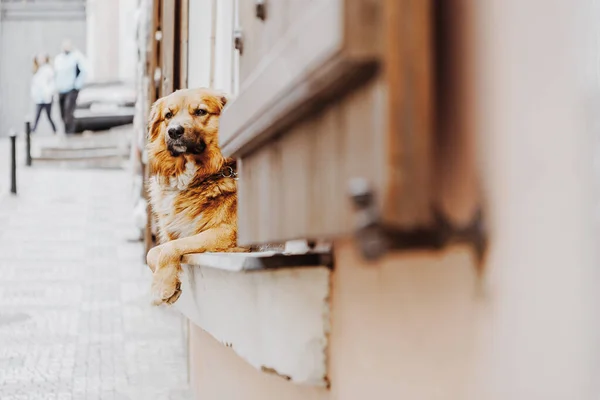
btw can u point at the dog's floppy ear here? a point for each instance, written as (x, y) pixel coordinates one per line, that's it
(155, 119)
(224, 99)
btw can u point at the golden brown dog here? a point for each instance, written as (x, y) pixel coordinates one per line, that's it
(192, 188)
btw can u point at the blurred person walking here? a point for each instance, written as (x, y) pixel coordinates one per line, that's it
(70, 68)
(42, 89)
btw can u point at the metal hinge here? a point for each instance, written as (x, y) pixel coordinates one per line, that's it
(261, 9)
(375, 239)
(238, 40)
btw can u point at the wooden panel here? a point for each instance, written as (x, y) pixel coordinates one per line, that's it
(168, 46)
(154, 55)
(295, 174)
(409, 116)
(456, 186)
(381, 132)
(302, 191)
(252, 31)
(154, 59)
(326, 52)
(265, 172)
(327, 183)
(274, 26)
(266, 175)
(296, 8)
(183, 43)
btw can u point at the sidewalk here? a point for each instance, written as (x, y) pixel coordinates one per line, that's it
(75, 315)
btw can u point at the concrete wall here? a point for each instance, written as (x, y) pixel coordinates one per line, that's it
(127, 40)
(103, 25)
(111, 39)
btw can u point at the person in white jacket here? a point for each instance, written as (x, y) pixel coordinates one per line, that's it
(42, 89)
(70, 67)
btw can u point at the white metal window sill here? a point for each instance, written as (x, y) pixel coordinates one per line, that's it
(272, 309)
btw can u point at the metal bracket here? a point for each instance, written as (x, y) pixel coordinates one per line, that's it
(376, 239)
(369, 234)
(261, 9)
(238, 40)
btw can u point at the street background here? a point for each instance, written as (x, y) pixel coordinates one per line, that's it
(75, 314)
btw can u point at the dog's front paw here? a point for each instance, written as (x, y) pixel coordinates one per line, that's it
(153, 258)
(166, 286)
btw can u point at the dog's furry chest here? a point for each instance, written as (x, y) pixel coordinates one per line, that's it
(173, 221)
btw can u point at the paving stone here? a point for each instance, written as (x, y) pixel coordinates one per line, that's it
(75, 314)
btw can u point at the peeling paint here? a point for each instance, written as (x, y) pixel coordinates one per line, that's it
(272, 371)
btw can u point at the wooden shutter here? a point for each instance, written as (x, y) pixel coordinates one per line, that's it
(317, 81)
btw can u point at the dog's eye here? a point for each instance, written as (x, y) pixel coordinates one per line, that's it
(199, 112)
(169, 115)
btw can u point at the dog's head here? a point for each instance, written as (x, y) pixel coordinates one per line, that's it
(184, 126)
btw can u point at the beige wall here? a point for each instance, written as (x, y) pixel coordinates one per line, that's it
(218, 373)
(539, 331)
(425, 326)
(401, 328)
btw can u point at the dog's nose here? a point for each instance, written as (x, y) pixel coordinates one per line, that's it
(175, 132)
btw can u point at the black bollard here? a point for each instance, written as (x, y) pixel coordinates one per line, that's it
(28, 142)
(13, 162)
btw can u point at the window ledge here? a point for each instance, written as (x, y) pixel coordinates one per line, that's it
(244, 262)
(272, 309)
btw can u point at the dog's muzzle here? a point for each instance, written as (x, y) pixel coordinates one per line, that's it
(179, 144)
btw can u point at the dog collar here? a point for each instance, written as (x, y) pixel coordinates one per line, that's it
(229, 172)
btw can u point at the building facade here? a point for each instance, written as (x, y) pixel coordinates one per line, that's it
(426, 141)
